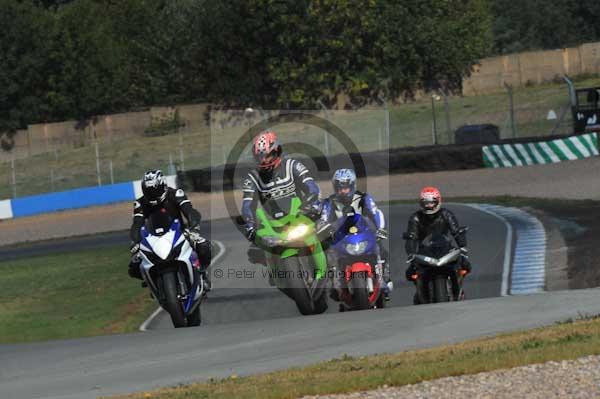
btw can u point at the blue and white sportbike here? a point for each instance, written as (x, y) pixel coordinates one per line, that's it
(171, 269)
(355, 243)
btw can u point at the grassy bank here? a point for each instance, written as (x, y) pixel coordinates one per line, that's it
(69, 296)
(559, 342)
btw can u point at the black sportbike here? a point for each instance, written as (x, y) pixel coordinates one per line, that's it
(439, 274)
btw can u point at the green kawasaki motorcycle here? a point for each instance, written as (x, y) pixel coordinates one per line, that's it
(296, 260)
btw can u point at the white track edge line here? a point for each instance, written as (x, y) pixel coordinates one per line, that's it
(144, 326)
(507, 248)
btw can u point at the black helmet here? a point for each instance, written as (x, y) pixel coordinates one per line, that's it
(154, 187)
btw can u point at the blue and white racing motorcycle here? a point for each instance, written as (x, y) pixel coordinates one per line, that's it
(171, 269)
(355, 243)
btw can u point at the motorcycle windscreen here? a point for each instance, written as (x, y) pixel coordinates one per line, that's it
(278, 208)
(351, 224)
(436, 245)
(159, 222)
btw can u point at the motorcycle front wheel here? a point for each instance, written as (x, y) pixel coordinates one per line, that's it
(172, 304)
(360, 295)
(297, 290)
(440, 289)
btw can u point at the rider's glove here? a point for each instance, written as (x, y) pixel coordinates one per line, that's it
(382, 234)
(134, 248)
(194, 236)
(411, 271)
(465, 263)
(313, 208)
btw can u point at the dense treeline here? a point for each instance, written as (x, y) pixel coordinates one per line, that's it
(72, 59)
(544, 24)
(75, 59)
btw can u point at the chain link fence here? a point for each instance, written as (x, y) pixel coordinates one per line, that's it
(88, 158)
(528, 112)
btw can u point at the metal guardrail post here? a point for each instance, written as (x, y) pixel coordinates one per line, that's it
(98, 163)
(325, 134)
(388, 135)
(14, 177)
(511, 105)
(447, 111)
(434, 126)
(572, 95)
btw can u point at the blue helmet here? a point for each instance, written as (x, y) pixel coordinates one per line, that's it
(344, 184)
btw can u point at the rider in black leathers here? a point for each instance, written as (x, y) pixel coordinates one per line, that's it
(430, 219)
(157, 195)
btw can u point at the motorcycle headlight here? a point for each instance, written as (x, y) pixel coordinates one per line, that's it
(357, 249)
(297, 232)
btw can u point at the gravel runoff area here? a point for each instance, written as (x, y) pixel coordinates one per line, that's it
(566, 180)
(578, 378)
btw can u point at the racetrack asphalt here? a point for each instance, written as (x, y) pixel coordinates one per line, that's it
(243, 292)
(249, 327)
(87, 368)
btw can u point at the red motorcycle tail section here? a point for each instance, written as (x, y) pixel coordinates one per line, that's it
(359, 267)
(367, 269)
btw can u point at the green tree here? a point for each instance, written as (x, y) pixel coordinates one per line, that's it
(80, 58)
(24, 57)
(320, 49)
(536, 24)
(87, 77)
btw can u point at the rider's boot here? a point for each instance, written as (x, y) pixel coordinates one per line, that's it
(206, 283)
(416, 299)
(336, 288)
(134, 267)
(388, 285)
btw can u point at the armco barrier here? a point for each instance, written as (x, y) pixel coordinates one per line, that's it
(541, 152)
(73, 199)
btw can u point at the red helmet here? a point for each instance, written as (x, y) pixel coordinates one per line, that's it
(430, 200)
(267, 150)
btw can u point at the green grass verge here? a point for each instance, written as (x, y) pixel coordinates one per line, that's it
(563, 341)
(69, 296)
